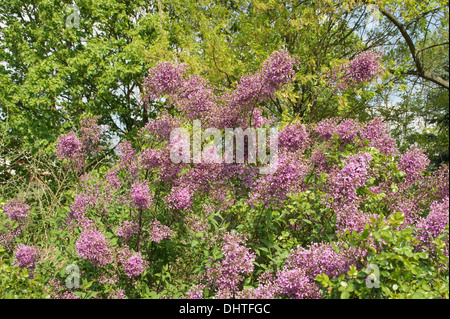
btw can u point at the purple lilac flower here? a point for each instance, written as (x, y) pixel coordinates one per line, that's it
(346, 129)
(150, 158)
(225, 275)
(81, 205)
(117, 294)
(140, 193)
(434, 224)
(7, 238)
(320, 258)
(135, 265)
(127, 229)
(113, 179)
(158, 232)
(293, 137)
(16, 209)
(161, 127)
(273, 188)
(377, 133)
(180, 198)
(26, 257)
(296, 284)
(364, 67)
(67, 146)
(93, 246)
(361, 69)
(413, 162)
(354, 174)
(90, 135)
(278, 69)
(196, 292)
(164, 79)
(268, 288)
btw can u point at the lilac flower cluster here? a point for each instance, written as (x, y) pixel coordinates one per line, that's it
(342, 192)
(113, 179)
(377, 133)
(8, 236)
(225, 275)
(297, 279)
(140, 193)
(361, 69)
(94, 247)
(254, 88)
(16, 209)
(128, 162)
(434, 224)
(67, 146)
(75, 149)
(117, 294)
(158, 232)
(322, 258)
(293, 137)
(364, 67)
(319, 159)
(91, 134)
(127, 229)
(268, 288)
(196, 99)
(413, 162)
(135, 265)
(271, 189)
(354, 174)
(196, 292)
(180, 198)
(161, 127)
(80, 207)
(151, 158)
(26, 257)
(346, 129)
(295, 283)
(164, 79)
(278, 69)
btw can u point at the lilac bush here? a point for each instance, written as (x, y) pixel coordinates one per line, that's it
(145, 226)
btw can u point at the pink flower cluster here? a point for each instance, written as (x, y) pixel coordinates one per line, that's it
(272, 189)
(180, 198)
(377, 133)
(434, 224)
(361, 69)
(345, 129)
(26, 257)
(225, 275)
(94, 247)
(166, 78)
(76, 149)
(135, 265)
(196, 98)
(140, 193)
(158, 232)
(293, 137)
(413, 162)
(127, 229)
(16, 209)
(68, 146)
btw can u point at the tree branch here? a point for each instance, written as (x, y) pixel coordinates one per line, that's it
(420, 71)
